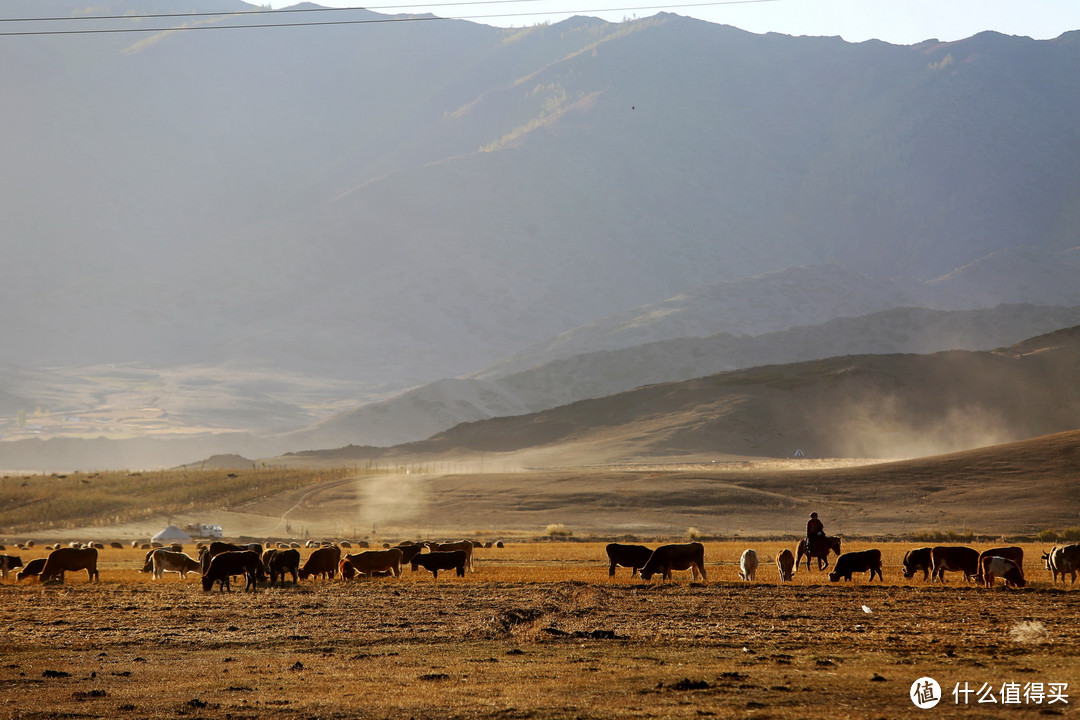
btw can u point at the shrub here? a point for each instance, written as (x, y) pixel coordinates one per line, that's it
(1047, 536)
(559, 530)
(693, 533)
(1072, 534)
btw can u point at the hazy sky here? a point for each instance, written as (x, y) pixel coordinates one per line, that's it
(895, 21)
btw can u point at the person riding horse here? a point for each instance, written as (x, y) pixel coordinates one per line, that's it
(815, 530)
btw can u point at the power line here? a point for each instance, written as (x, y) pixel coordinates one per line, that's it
(281, 11)
(366, 21)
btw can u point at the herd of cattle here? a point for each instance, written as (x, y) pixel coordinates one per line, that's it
(218, 562)
(1006, 563)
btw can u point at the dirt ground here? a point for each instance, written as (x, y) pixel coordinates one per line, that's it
(538, 631)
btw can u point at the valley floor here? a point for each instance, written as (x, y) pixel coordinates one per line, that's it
(538, 631)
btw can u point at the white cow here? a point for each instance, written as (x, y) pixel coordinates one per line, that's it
(748, 565)
(168, 561)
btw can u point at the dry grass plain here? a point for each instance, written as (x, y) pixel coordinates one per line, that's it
(538, 631)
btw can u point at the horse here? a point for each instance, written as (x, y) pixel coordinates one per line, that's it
(822, 546)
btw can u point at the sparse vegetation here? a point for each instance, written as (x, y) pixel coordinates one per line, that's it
(944, 536)
(693, 533)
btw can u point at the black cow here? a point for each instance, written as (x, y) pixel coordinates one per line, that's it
(631, 556)
(916, 560)
(436, 561)
(854, 562)
(279, 562)
(233, 562)
(215, 548)
(9, 563)
(33, 568)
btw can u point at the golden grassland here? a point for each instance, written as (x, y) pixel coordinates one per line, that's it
(67, 500)
(537, 631)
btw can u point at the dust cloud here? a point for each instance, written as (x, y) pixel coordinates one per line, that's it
(389, 500)
(887, 428)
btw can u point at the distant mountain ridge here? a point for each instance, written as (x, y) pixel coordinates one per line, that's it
(852, 406)
(421, 412)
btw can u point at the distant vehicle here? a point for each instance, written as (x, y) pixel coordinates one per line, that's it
(203, 530)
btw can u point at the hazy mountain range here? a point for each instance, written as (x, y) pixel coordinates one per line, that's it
(863, 406)
(259, 229)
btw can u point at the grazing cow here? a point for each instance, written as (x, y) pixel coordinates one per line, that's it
(346, 569)
(785, 563)
(1063, 560)
(62, 560)
(666, 558)
(854, 562)
(916, 560)
(443, 560)
(631, 556)
(9, 563)
(370, 562)
(748, 564)
(278, 562)
(33, 568)
(1016, 554)
(995, 566)
(464, 545)
(163, 561)
(232, 562)
(208, 553)
(953, 558)
(116, 546)
(322, 561)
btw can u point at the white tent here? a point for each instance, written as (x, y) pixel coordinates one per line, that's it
(171, 534)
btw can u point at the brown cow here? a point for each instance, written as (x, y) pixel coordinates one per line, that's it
(370, 562)
(443, 560)
(953, 558)
(233, 562)
(163, 561)
(666, 558)
(33, 568)
(785, 564)
(63, 560)
(346, 569)
(631, 556)
(322, 561)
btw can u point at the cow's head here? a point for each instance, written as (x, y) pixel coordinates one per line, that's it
(207, 584)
